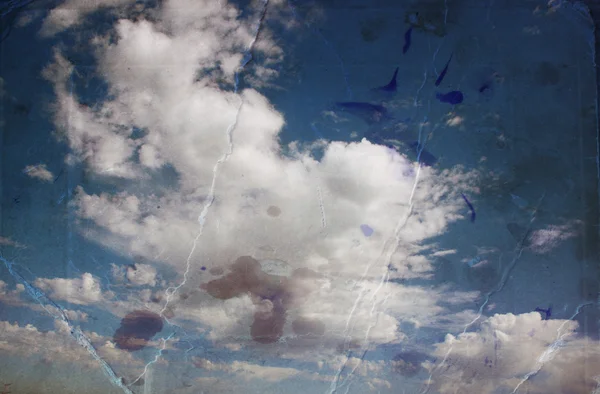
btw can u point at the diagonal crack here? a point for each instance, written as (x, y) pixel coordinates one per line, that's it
(171, 291)
(501, 283)
(76, 332)
(554, 347)
(389, 248)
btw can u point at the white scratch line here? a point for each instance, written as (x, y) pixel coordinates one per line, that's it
(554, 347)
(171, 291)
(322, 207)
(76, 332)
(501, 284)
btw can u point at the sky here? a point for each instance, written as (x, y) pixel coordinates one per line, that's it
(180, 236)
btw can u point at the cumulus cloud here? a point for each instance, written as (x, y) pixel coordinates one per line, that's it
(160, 83)
(203, 181)
(58, 346)
(505, 350)
(141, 274)
(250, 371)
(83, 291)
(11, 297)
(71, 13)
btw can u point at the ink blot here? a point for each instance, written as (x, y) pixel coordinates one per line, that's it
(366, 230)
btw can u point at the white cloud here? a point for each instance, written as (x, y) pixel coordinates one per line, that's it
(58, 346)
(83, 291)
(248, 371)
(152, 76)
(11, 297)
(504, 350)
(161, 82)
(39, 172)
(71, 13)
(546, 239)
(141, 274)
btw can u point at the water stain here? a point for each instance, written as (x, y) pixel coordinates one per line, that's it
(347, 346)
(371, 29)
(308, 327)
(216, 271)
(273, 211)
(408, 363)
(306, 273)
(136, 329)
(547, 74)
(269, 321)
(169, 312)
(244, 277)
(519, 233)
(483, 275)
(271, 294)
(21, 109)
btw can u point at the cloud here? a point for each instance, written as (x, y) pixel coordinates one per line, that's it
(141, 274)
(71, 13)
(39, 172)
(58, 346)
(11, 297)
(504, 350)
(249, 371)
(546, 239)
(82, 291)
(203, 181)
(205, 133)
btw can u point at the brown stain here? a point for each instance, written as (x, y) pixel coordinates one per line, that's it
(244, 276)
(308, 327)
(274, 211)
(271, 294)
(305, 273)
(136, 329)
(347, 346)
(169, 312)
(216, 271)
(408, 363)
(269, 321)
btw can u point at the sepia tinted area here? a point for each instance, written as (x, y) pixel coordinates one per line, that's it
(299, 196)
